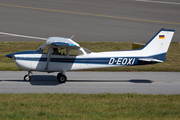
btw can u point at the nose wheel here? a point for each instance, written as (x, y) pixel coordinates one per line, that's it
(61, 78)
(27, 77)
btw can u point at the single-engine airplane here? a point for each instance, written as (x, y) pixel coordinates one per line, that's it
(63, 54)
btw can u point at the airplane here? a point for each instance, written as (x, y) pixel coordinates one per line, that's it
(60, 55)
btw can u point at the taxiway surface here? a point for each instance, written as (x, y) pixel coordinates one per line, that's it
(92, 82)
(89, 20)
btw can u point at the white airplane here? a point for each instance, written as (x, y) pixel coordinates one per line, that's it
(63, 54)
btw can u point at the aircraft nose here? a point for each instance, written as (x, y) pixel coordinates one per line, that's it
(9, 55)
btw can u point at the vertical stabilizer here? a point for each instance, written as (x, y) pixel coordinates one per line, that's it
(159, 44)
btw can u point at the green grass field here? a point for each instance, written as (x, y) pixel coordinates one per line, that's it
(89, 106)
(172, 57)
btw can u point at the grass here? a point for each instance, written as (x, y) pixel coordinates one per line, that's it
(172, 57)
(89, 106)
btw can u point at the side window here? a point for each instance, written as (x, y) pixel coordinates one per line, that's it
(59, 51)
(75, 52)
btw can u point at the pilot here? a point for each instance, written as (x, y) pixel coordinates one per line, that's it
(55, 51)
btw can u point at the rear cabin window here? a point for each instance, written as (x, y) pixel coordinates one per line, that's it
(75, 52)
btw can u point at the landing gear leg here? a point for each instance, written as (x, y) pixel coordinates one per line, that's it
(27, 77)
(61, 77)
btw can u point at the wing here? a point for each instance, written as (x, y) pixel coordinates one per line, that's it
(55, 41)
(59, 41)
(24, 36)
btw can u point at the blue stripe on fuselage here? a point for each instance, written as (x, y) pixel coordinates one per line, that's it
(103, 61)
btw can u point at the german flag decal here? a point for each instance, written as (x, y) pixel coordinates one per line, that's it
(161, 37)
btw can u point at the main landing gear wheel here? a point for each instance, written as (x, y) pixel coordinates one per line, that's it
(27, 78)
(59, 74)
(61, 78)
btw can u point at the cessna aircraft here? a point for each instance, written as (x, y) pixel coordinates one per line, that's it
(63, 54)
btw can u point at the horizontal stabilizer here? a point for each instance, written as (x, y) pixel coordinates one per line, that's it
(150, 60)
(137, 45)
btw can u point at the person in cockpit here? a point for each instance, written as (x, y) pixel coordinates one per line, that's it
(55, 51)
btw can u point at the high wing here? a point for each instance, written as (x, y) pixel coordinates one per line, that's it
(55, 41)
(24, 36)
(60, 41)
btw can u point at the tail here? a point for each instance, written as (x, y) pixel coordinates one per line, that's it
(155, 50)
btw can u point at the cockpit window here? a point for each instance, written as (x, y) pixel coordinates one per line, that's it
(59, 51)
(43, 49)
(87, 51)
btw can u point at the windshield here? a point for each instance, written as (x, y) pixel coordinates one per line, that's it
(43, 49)
(75, 52)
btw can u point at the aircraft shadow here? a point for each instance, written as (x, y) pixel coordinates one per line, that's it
(45, 80)
(51, 80)
(131, 81)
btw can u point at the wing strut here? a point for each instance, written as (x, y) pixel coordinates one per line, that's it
(49, 57)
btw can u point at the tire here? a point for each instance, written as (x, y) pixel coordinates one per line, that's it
(27, 78)
(59, 74)
(62, 78)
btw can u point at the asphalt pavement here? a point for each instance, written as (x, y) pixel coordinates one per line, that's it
(89, 20)
(92, 82)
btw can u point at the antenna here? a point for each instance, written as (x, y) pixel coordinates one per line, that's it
(72, 36)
